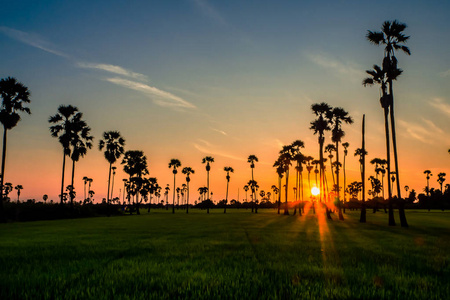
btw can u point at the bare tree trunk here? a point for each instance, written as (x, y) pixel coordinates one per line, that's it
(388, 157)
(286, 210)
(2, 177)
(362, 218)
(62, 177)
(341, 216)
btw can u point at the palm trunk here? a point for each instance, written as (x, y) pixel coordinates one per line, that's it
(388, 157)
(107, 194)
(401, 209)
(286, 210)
(341, 216)
(72, 195)
(187, 203)
(226, 200)
(207, 204)
(279, 194)
(62, 177)
(173, 200)
(362, 218)
(2, 177)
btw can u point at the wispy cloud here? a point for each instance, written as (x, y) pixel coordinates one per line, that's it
(32, 40)
(208, 148)
(445, 73)
(219, 131)
(341, 68)
(209, 11)
(440, 105)
(113, 69)
(159, 97)
(424, 131)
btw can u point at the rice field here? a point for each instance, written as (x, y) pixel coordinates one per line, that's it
(237, 255)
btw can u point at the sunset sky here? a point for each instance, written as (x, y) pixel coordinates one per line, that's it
(190, 78)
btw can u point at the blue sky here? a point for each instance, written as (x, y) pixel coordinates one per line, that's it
(187, 79)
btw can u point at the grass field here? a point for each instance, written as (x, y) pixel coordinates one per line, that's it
(237, 255)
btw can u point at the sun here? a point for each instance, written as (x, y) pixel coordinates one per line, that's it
(315, 191)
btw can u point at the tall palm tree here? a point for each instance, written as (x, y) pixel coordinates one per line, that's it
(330, 148)
(319, 126)
(345, 146)
(228, 170)
(19, 187)
(441, 179)
(14, 95)
(80, 142)
(246, 188)
(428, 174)
(113, 143)
(187, 171)
(309, 168)
(112, 184)
(85, 180)
(338, 116)
(62, 130)
(379, 76)
(252, 159)
(298, 157)
(253, 184)
(393, 38)
(207, 160)
(174, 163)
(89, 180)
(285, 161)
(135, 163)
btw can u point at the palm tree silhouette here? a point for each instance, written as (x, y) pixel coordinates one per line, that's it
(80, 141)
(246, 188)
(280, 172)
(19, 187)
(85, 180)
(187, 171)
(298, 157)
(345, 146)
(252, 159)
(285, 161)
(113, 143)
(14, 95)
(253, 184)
(428, 175)
(309, 167)
(379, 76)
(112, 184)
(228, 170)
(391, 35)
(207, 160)
(319, 126)
(441, 179)
(338, 116)
(174, 163)
(62, 130)
(135, 163)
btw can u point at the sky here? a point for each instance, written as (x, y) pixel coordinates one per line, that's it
(190, 78)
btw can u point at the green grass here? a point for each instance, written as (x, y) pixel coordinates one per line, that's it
(237, 255)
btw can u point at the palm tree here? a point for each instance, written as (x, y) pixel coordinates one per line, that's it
(135, 163)
(441, 179)
(85, 180)
(207, 160)
(428, 174)
(81, 140)
(320, 125)
(62, 130)
(153, 187)
(90, 180)
(391, 35)
(45, 197)
(114, 148)
(379, 76)
(20, 187)
(298, 157)
(14, 95)
(330, 148)
(252, 159)
(246, 188)
(174, 163)
(285, 161)
(345, 146)
(253, 184)
(309, 167)
(228, 170)
(338, 116)
(187, 171)
(112, 184)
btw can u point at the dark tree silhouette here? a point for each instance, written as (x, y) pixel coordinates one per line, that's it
(63, 130)
(135, 163)
(441, 179)
(19, 187)
(228, 170)
(252, 159)
(298, 157)
(428, 176)
(338, 116)
(174, 163)
(207, 160)
(345, 146)
(113, 143)
(187, 171)
(14, 95)
(285, 161)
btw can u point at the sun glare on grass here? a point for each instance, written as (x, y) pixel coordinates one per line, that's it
(315, 191)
